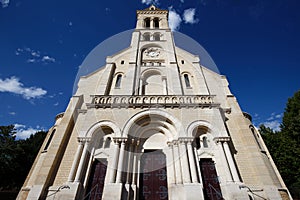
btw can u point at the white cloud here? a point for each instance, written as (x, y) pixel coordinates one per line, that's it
(12, 113)
(31, 60)
(48, 59)
(270, 118)
(174, 19)
(36, 56)
(56, 104)
(149, 2)
(13, 85)
(182, 1)
(4, 3)
(22, 132)
(275, 125)
(189, 16)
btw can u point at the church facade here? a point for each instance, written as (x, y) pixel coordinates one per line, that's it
(153, 123)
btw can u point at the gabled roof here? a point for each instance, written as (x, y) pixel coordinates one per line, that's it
(152, 10)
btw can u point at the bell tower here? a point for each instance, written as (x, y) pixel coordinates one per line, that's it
(157, 69)
(152, 18)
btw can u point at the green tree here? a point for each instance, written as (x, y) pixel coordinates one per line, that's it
(284, 145)
(7, 154)
(290, 129)
(16, 156)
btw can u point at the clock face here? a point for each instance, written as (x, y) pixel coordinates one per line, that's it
(152, 52)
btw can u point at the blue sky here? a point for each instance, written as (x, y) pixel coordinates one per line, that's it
(255, 43)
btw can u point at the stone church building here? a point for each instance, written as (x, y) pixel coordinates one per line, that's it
(153, 123)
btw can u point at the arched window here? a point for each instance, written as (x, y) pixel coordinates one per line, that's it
(118, 81)
(156, 22)
(107, 142)
(197, 143)
(147, 22)
(157, 36)
(187, 80)
(146, 36)
(255, 137)
(205, 144)
(49, 140)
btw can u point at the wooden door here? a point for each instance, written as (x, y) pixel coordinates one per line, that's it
(96, 180)
(212, 190)
(153, 179)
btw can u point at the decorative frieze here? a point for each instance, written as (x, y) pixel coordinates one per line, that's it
(127, 101)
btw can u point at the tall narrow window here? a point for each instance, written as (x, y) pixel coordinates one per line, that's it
(256, 138)
(147, 36)
(157, 36)
(156, 22)
(187, 80)
(147, 22)
(118, 81)
(197, 143)
(49, 140)
(205, 145)
(107, 143)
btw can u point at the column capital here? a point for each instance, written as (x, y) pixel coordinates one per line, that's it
(83, 140)
(120, 139)
(185, 139)
(222, 139)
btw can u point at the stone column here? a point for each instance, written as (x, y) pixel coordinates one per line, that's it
(75, 162)
(135, 163)
(164, 82)
(198, 171)
(192, 162)
(129, 166)
(89, 167)
(82, 162)
(230, 162)
(177, 163)
(170, 164)
(114, 162)
(120, 163)
(223, 160)
(141, 87)
(184, 162)
(151, 25)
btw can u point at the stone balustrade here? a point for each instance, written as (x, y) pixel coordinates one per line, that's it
(101, 101)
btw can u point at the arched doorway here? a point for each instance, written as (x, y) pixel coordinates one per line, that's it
(153, 179)
(96, 181)
(95, 174)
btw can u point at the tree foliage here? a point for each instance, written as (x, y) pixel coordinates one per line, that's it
(16, 156)
(284, 145)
